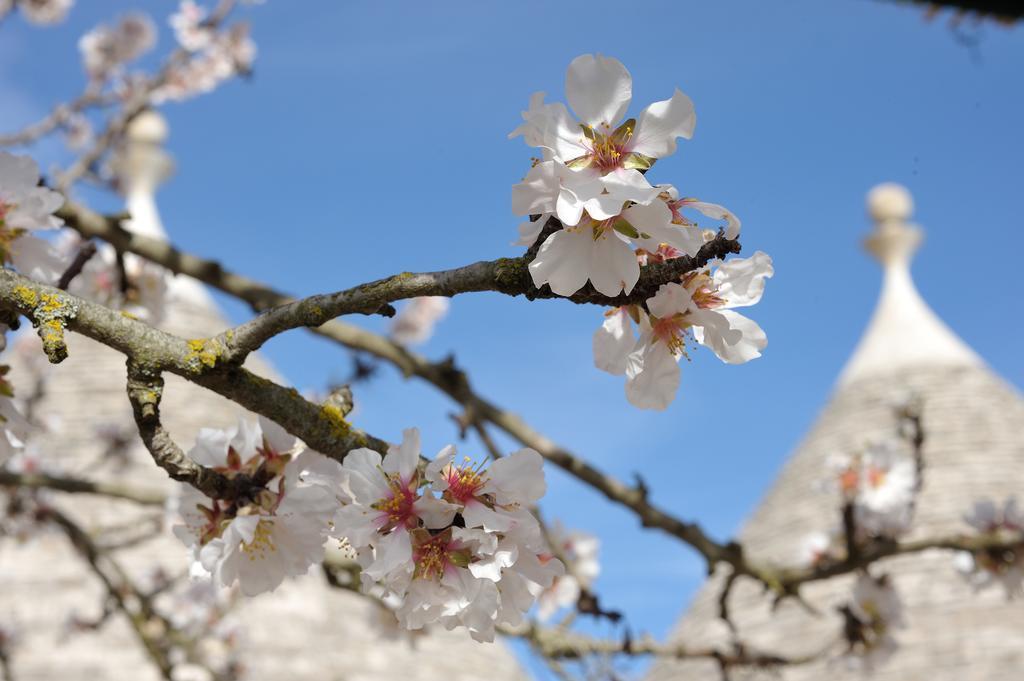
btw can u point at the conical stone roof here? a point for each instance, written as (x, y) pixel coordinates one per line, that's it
(974, 423)
(303, 631)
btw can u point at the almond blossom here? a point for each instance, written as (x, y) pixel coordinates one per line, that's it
(580, 550)
(873, 614)
(39, 12)
(24, 208)
(387, 504)
(280, 531)
(415, 322)
(471, 557)
(698, 307)
(881, 483)
(603, 153)
(998, 565)
(105, 48)
(602, 250)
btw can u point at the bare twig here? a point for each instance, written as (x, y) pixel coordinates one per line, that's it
(85, 253)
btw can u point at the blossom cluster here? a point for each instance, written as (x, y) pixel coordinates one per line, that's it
(603, 219)
(1001, 564)
(214, 55)
(276, 531)
(456, 541)
(451, 543)
(25, 209)
(39, 12)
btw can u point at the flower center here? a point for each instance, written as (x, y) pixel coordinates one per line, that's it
(672, 332)
(434, 555)
(703, 290)
(262, 541)
(464, 482)
(398, 508)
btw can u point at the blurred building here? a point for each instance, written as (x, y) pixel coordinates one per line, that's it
(974, 424)
(305, 630)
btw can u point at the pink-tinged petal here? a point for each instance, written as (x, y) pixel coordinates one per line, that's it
(279, 440)
(741, 281)
(686, 239)
(652, 377)
(393, 551)
(613, 266)
(403, 459)
(629, 184)
(37, 259)
(613, 342)
(517, 478)
(671, 299)
(733, 337)
(661, 123)
(563, 261)
(435, 513)
(17, 174)
(598, 89)
(211, 448)
(355, 523)
(366, 484)
(476, 514)
(435, 468)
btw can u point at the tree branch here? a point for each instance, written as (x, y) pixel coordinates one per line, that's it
(140, 495)
(322, 427)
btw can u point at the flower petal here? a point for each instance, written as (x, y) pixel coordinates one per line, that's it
(613, 342)
(734, 338)
(598, 89)
(661, 123)
(563, 261)
(652, 377)
(613, 266)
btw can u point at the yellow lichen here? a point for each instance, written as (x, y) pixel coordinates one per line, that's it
(335, 419)
(26, 296)
(203, 351)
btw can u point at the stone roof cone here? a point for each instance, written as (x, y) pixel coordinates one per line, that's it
(974, 424)
(303, 631)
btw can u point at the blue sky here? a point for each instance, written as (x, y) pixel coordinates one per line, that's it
(372, 139)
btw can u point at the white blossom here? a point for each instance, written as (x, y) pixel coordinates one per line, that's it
(580, 550)
(873, 614)
(698, 307)
(415, 322)
(881, 483)
(43, 12)
(281, 531)
(106, 48)
(189, 29)
(602, 250)
(602, 154)
(226, 54)
(455, 546)
(1005, 566)
(26, 207)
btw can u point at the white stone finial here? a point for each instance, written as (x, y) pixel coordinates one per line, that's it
(903, 330)
(141, 163)
(890, 201)
(149, 127)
